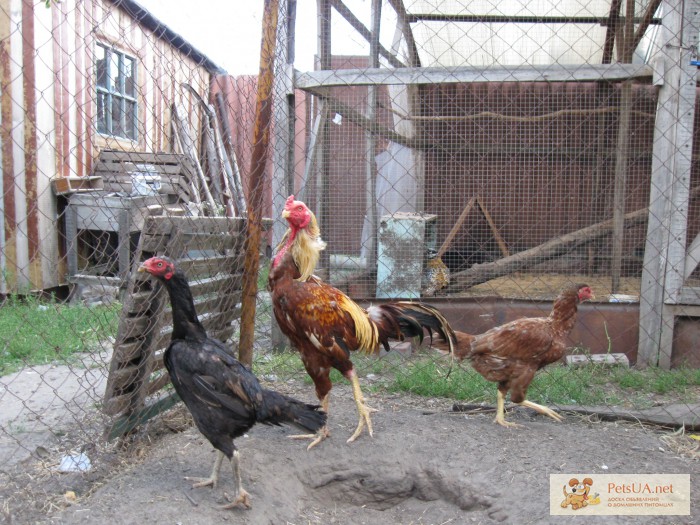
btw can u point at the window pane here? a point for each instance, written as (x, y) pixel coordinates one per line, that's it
(131, 120)
(101, 65)
(102, 105)
(114, 72)
(130, 76)
(117, 126)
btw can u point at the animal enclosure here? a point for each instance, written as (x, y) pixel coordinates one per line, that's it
(478, 158)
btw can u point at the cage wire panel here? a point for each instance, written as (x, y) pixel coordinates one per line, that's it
(475, 156)
(482, 157)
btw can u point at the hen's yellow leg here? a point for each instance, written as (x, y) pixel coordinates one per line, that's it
(542, 410)
(322, 433)
(362, 409)
(501, 412)
(214, 478)
(242, 497)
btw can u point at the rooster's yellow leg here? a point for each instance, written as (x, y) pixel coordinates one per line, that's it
(501, 412)
(242, 497)
(542, 410)
(362, 409)
(322, 433)
(214, 478)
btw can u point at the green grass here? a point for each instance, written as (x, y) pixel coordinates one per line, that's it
(556, 384)
(35, 332)
(587, 385)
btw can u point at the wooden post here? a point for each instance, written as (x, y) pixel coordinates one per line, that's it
(261, 138)
(664, 254)
(621, 154)
(283, 143)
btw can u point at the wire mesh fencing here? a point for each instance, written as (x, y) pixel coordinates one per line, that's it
(476, 158)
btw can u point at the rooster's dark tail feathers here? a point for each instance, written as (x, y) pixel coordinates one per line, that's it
(283, 409)
(402, 319)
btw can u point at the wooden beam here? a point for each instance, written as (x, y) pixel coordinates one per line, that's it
(611, 31)
(345, 12)
(620, 183)
(508, 19)
(480, 273)
(402, 20)
(357, 118)
(645, 22)
(324, 34)
(317, 80)
(664, 253)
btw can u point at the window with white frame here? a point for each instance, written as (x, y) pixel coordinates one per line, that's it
(117, 108)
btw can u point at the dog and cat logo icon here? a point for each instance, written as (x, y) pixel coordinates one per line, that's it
(578, 494)
(593, 494)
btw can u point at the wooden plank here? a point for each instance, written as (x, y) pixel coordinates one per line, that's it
(373, 126)
(126, 352)
(455, 227)
(689, 295)
(484, 272)
(499, 239)
(656, 320)
(198, 241)
(124, 169)
(189, 225)
(402, 21)
(343, 11)
(620, 183)
(141, 157)
(315, 80)
(126, 424)
(692, 258)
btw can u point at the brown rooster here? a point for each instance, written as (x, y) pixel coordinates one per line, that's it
(511, 354)
(325, 325)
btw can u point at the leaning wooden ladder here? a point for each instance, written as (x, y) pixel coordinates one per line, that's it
(210, 250)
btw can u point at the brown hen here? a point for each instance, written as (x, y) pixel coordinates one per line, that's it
(511, 354)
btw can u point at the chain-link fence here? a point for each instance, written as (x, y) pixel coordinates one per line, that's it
(478, 157)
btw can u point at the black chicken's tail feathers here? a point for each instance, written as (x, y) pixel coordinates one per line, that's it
(410, 319)
(278, 408)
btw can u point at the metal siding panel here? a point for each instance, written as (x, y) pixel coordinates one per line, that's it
(90, 102)
(30, 138)
(64, 122)
(44, 263)
(6, 202)
(16, 245)
(78, 115)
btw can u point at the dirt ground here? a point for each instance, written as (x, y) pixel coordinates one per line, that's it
(425, 465)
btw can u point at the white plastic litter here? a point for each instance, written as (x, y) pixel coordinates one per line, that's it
(75, 463)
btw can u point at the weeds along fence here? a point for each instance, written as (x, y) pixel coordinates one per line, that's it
(478, 158)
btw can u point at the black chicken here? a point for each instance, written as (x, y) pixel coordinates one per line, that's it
(224, 397)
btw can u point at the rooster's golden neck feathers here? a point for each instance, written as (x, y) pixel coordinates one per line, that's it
(306, 246)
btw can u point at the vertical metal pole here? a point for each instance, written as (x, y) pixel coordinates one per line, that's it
(261, 138)
(324, 57)
(371, 142)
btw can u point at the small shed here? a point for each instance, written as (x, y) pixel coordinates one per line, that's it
(77, 78)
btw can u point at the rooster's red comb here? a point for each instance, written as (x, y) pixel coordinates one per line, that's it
(289, 203)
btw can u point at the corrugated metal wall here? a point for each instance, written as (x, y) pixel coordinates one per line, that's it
(47, 117)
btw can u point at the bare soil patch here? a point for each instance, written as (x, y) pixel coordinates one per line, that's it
(425, 465)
